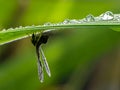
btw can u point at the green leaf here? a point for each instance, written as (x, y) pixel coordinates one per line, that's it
(105, 20)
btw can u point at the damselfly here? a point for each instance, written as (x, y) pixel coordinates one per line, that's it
(37, 41)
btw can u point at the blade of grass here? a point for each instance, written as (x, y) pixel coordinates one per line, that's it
(22, 32)
(19, 33)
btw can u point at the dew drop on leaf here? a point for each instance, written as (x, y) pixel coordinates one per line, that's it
(90, 18)
(27, 27)
(107, 16)
(47, 24)
(66, 21)
(74, 21)
(117, 18)
(16, 28)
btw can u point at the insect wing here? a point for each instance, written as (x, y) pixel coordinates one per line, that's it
(40, 66)
(40, 71)
(45, 62)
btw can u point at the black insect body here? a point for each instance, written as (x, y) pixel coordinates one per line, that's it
(37, 41)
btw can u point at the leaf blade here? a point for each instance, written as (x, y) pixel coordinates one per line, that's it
(23, 32)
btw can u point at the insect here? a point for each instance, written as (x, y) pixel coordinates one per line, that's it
(37, 41)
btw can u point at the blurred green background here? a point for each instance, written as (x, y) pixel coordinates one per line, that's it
(83, 59)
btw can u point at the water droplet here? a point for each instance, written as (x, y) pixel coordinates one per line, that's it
(58, 23)
(66, 21)
(117, 17)
(27, 26)
(107, 16)
(38, 26)
(82, 20)
(47, 24)
(16, 28)
(90, 18)
(98, 18)
(74, 21)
